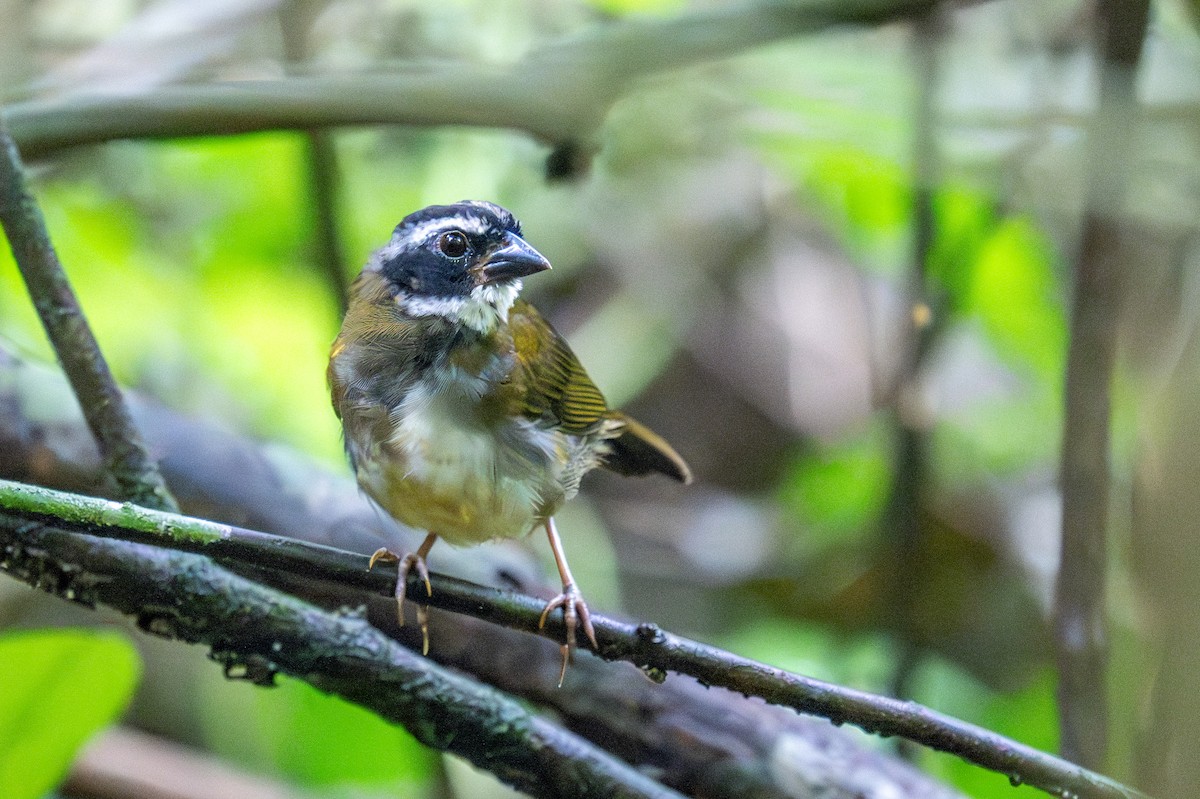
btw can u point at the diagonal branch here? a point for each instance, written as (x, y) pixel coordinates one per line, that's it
(558, 93)
(644, 645)
(125, 456)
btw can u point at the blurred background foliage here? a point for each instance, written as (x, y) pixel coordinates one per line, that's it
(735, 268)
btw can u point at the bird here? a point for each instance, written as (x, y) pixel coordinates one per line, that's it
(465, 414)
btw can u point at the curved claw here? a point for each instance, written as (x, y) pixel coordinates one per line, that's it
(575, 611)
(406, 563)
(382, 554)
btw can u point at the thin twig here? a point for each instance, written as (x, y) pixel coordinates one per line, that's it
(1081, 623)
(558, 93)
(323, 173)
(125, 457)
(258, 631)
(902, 525)
(644, 645)
(295, 19)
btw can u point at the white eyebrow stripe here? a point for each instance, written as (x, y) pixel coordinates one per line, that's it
(423, 230)
(418, 233)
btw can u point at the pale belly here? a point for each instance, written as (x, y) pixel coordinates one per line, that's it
(468, 485)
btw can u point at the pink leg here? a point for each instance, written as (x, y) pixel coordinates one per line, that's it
(575, 610)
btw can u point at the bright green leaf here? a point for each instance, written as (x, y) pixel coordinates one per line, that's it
(312, 738)
(965, 220)
(839, 491)
(57, 688)
(1016, 293)
(622, 7)
(871, 197)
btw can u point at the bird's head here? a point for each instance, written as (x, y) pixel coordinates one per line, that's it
(462, 262)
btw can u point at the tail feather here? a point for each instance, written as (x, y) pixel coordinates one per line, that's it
(638, 450)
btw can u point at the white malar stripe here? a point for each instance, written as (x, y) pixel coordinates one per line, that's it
(482, 310)
(447, 307)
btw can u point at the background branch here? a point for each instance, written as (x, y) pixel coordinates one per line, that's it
(321, 158)
(125, 457)
(123, 763)
(558, 93)
(1081, 623)
(911, 415)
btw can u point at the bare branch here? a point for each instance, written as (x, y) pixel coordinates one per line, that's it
(645, 645)
(125, 456)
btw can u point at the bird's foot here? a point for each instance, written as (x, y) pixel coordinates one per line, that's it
(575, 612)
(405, 564)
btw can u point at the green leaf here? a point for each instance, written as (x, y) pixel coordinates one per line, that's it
(1015, 292)
(311, 738)
(965, 221)
(622, 7)
(836, 493)
(57, 688)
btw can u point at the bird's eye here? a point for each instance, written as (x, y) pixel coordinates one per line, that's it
(453, 244)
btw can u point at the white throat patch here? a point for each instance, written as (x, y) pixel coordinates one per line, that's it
(481, 310)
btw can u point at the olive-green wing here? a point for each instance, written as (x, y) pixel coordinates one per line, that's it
(554, 384)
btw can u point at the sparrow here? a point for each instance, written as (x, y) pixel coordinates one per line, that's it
(464, 412)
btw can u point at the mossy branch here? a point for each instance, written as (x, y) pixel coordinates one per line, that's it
(125, 457)
(644, 645)
(257, 631)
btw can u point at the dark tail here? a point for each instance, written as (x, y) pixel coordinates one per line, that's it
(639, 450)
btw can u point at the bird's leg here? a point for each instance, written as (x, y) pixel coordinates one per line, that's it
(404, 565)
(575, 610)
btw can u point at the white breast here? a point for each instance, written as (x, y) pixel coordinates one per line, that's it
(495, 477)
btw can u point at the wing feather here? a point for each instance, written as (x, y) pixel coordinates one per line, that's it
(556, 387)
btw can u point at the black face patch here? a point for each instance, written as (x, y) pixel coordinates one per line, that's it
(414, 261)
(423, 272)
